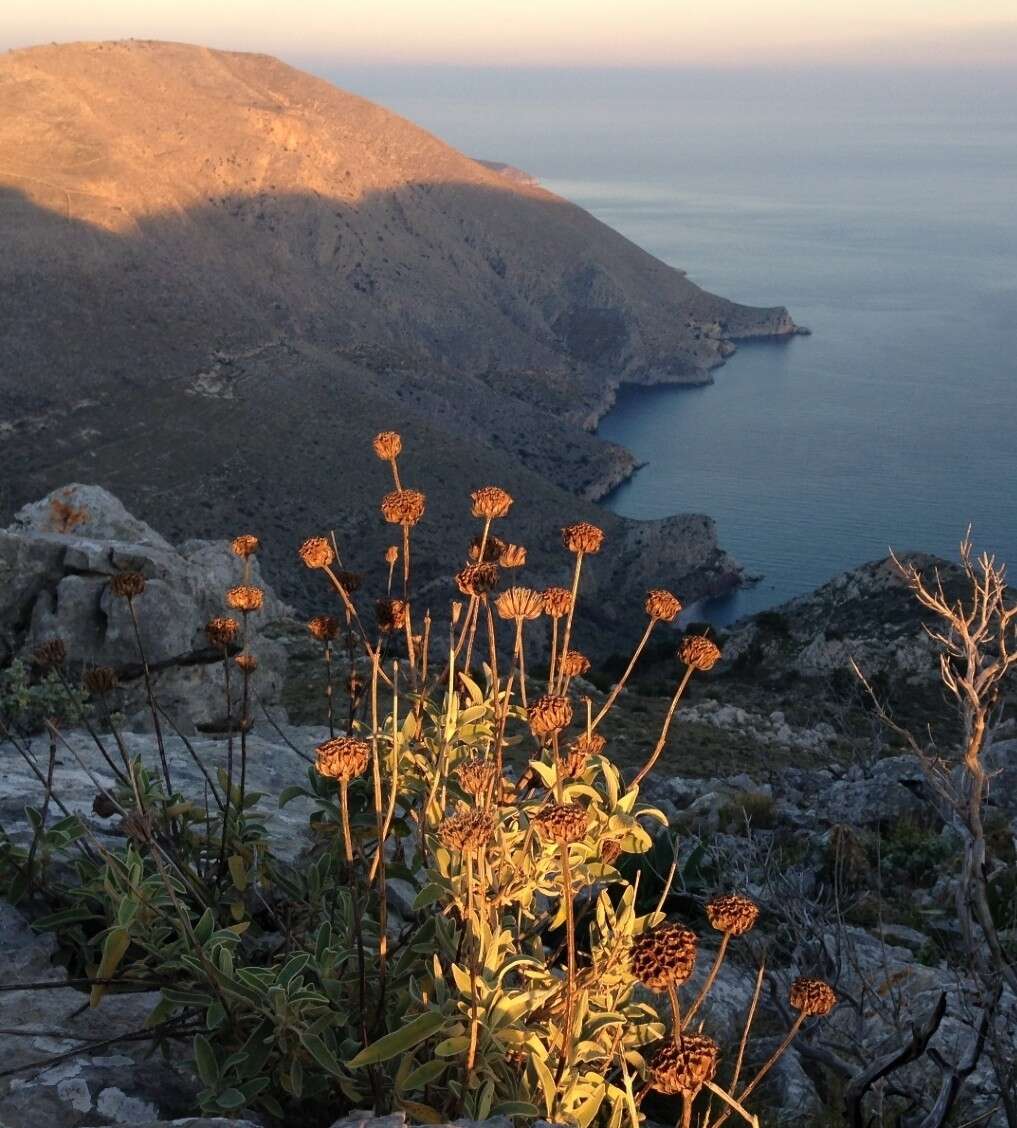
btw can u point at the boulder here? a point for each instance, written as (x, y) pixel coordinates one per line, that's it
(56, 560)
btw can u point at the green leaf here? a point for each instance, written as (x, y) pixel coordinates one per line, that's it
(399, 1041)
(515, 1108)
(203, 929)
(205, 1061)
(230, 1099)
(288, 794)
(423, 1075)
(238, 871)
(428, 895)
(321, 1053)
(117, 941)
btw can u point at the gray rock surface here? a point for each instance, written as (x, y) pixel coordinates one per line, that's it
(54, 583)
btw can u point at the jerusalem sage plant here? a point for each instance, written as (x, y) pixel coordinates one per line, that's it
(496, 800)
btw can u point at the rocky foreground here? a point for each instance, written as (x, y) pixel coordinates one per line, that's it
(837, 835)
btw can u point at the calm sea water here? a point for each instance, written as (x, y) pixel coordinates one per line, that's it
(882, 210)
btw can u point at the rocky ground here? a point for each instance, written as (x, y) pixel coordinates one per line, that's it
(775, 778)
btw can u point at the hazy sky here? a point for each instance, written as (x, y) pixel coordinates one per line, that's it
(556, 32)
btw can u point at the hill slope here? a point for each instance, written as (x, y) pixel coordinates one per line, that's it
(220, 275)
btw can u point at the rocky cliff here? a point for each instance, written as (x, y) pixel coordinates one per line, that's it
(221, 276)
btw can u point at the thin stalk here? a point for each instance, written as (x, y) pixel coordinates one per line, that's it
(676, 1011)
(777, 1054)
(355, 910)
(572, 610)
(710, 979)
(521, 661)
(687, 1099)
(749, 1018)
(229, 761)
(329, 686)
(379, 818)
(570, 943)
(655, 755)
(245, 721)
(554, 654)
(89, 728)
(471, 1053)
(620, 684)
(151, 697)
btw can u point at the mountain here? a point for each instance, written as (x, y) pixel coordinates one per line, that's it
(221, 275)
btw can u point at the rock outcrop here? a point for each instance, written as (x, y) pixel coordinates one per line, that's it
(56, 561)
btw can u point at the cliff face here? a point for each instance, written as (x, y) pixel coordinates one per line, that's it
(221, 275)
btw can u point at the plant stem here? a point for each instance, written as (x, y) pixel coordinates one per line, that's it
(151, 697)
(570, 944)
(471, 1054)
(572, 611)
(710, 979)
(620, 684)
(655, 755)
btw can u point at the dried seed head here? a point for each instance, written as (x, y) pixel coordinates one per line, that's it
(475, 776)
(221, 631)
(582, 537)
(349, 581)
(574, 664)
(101, 680)
(494, 549)
(456, 612)
(403, 507)
(684, 1067)
(562, 822)
(468, 831)
(519, 603)
(573, 763)
(610, 848)
(323, 627)
(138, 826)
(103, 806)
(390, 614)
(732, 913)
(557, 602)
(490, 502)
(127, 585)
(245, 545)
(317, 552)
(391, 555)
(699, 652)
(666, 954)
(50, 655)
(342, 757)
(245, 598)
(246, 662)
(549, 714)
(387, 445)
(663, 605)
(477, 579)
(514, 556)
(813, 997)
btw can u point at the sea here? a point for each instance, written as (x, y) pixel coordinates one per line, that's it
(879, 206)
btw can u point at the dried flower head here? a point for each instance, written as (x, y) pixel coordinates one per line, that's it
(664, 955)
(403, 507)
(582, 537)
(685, 1066)
(732, 913)
(246, 662)
(477, 579)
(468, 831)
(562, 822)
(221, 630)
(323, 627)
(475, 776)
(519, 603)
(549, 714)
(610, 848)
(514, 556)
(813, 997)
(663, 605)
(494, 549)
(699, 652)
(557, 602)
(101, 680)
(103, 806)
(577, 756)
(138, 826)
(127, 585)
(490, 502)
(50, 655)
(317, 552)
(342, 757)
(245, 545)
(390, 614)
(246, 598)
(387, 445)
(349, 581)
(392, 555)
(574, 664)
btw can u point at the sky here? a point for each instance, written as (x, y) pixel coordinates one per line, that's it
(923, 33)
